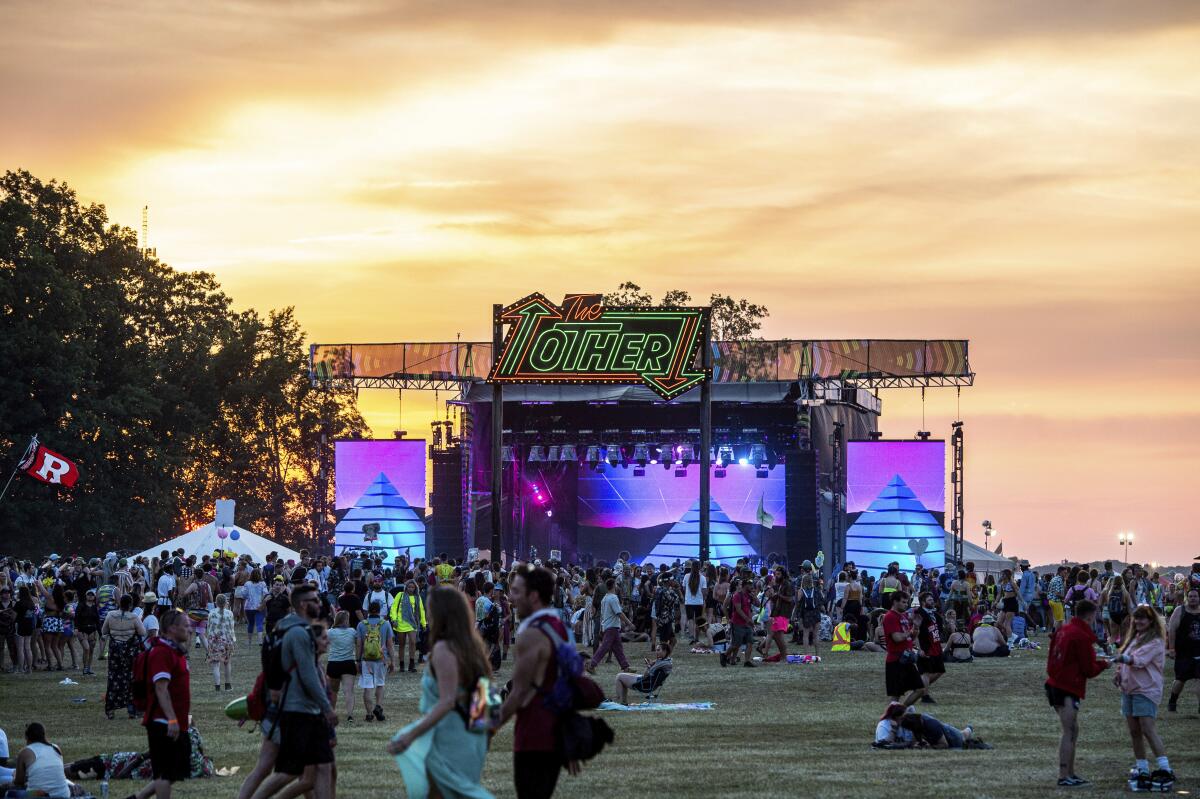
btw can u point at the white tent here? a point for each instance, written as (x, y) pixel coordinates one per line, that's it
(986, 561)
(204, 540)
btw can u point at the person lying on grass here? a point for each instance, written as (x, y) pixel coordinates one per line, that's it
(661, 663)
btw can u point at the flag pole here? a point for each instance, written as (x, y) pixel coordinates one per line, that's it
(17, 468)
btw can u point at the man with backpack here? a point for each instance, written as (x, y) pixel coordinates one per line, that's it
(161, 673)
(306, 714)
(536, 751)
(374, 648)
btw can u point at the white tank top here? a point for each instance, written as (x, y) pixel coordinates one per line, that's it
(46, 772)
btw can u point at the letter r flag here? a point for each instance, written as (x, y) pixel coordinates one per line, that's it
(48, 466)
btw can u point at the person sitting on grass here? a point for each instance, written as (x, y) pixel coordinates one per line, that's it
(959, 646)
(644, 683)
(39, 770)
(987, 640)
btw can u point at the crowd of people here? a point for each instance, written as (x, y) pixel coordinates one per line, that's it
(332, 629)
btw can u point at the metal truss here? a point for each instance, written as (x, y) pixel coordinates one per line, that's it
(410, 382)
(908, 381)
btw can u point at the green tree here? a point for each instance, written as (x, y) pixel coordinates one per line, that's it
(732, 319)
(164, 396)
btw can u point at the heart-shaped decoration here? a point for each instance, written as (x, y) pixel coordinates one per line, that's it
(918, 546)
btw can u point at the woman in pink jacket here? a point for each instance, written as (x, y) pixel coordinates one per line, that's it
(1140, 678)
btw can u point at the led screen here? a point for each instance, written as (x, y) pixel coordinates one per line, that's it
(655, 517)
(380, 482)
(895, 504)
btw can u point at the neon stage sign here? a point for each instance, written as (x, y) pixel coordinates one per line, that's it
(584, 342)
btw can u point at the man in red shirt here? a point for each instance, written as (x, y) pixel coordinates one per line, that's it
(901, 677)
(167, 707)
(741, 618)
(1070, 664)
(929, 638)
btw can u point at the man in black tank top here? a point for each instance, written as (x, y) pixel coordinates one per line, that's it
(1183, 640)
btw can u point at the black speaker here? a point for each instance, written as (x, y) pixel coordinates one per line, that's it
(444, 532)
(803, 510)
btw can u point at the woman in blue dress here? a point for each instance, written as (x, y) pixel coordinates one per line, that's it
(437, 754)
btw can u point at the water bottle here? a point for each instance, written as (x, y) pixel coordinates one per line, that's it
(104, 788)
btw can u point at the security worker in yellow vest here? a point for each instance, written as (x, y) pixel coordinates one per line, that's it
(841, 638)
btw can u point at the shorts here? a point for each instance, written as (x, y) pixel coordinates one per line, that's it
(931, 665)
(270, 724)
(779, 624)
(373, 674)
(1056, 612)
(1009, 605)
(1058, 697)
(52, 624)
(694, 611)
(666, 632)
(303, 741)
(742, 635)
(1187, 668)
(852, 609)
(810, 617)
(1117, 618)
(1138, 707)
(171, 760)
(337, 669)
(900, 678)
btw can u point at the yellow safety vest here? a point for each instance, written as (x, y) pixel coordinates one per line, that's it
(841, 638)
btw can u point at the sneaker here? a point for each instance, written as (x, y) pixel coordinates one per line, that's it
(228, 686)
(1173, 704)
(749, 665)
(378, 711)
(368, 717)
(928, 700)
(1162, 779)
(1139, 781)
(1070, 782)
(724, 660)
(350, 719)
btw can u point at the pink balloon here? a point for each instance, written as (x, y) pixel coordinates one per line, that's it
(222, 532)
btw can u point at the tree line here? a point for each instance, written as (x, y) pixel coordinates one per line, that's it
(147, 377)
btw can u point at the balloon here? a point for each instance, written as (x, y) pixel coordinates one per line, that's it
(235, 535)
(221, 533)
(820, 559)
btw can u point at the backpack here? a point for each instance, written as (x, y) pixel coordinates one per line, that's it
(1116, 602)
(272, 677)
(580, 737)
(489, 625)
(373, 642)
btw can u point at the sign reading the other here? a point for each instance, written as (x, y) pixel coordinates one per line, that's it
(584, 342)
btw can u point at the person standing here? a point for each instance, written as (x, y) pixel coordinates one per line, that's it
(256, 595)
(695, 589)
(408, 619)
(1140, 678)
(342, 665)
(782, 596)
(1070, 664)
(374, 650)
(222, 639)
(306, 714)
(1055, 594)
(1183, 644)
(438, 750)
(124, 632)
(902, 678)
(930, 662)
(536, 759)
(612, 621)
(741, 620)
(167, 707)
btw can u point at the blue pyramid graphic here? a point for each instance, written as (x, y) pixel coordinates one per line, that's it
(400, 527)
(882, 532)
(725, 542)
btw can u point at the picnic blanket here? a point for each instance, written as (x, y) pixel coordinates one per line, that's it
(658, 706)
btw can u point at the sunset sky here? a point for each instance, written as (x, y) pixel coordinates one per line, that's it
(1025, 174)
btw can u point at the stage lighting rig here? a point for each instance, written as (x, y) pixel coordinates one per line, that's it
(537, 454)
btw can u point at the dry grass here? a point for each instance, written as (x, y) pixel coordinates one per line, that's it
(776, 730)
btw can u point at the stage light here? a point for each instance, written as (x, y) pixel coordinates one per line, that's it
(724, 455)
(549, 512)
(612, 454)
(567, 453)
(537, 454)
(742, 461)
(552, 455)
(758, 455)
(593, 455)
(508, 454)
(641, 454)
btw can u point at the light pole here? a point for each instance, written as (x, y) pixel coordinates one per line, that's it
(987, 534)
(1126, 540)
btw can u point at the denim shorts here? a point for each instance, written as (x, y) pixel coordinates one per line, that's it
(1138, 706)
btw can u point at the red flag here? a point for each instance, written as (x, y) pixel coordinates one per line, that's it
(48, 466)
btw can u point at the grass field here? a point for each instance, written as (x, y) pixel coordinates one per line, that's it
(775, 731)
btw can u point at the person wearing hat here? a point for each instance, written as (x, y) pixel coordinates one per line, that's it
(987, 641)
